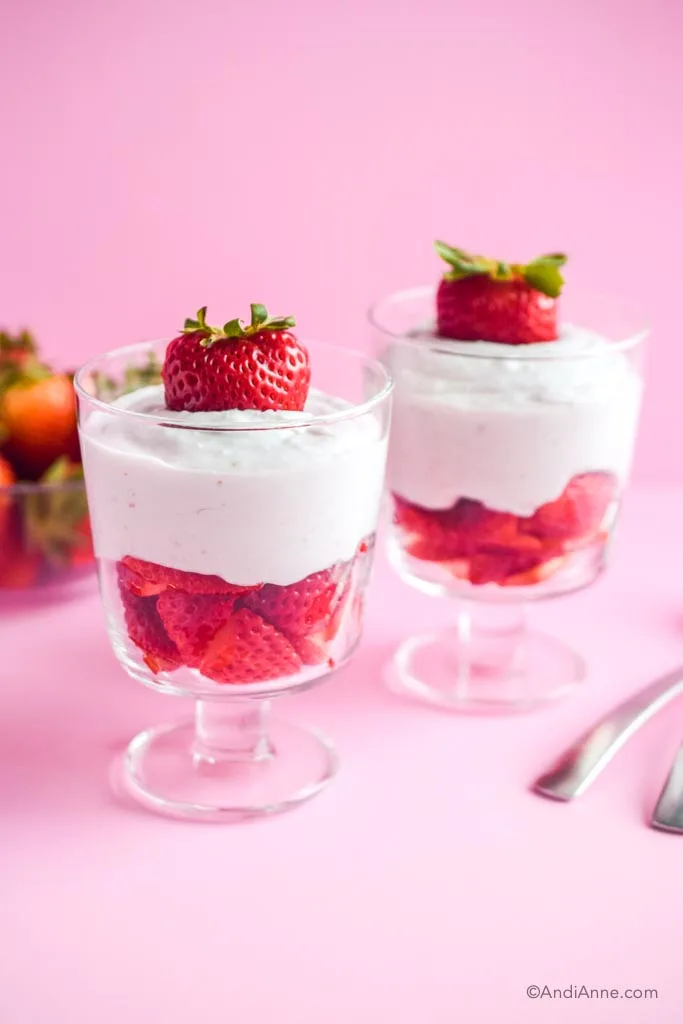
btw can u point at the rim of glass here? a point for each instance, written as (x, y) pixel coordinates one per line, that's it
(353, 411)
(426, 339)
(22, 487)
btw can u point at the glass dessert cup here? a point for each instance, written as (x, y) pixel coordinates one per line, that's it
(506, 469)
(233, 560)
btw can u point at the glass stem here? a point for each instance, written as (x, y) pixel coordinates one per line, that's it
(227, 731)
(490, 637)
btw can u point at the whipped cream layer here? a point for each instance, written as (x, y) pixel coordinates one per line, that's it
(508, 426)
(249, 505)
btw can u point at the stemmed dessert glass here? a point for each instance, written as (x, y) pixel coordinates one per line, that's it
(506, 470)
(233, 561)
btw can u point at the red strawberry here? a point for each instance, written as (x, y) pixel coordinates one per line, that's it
(301, 608)
(537, 574)
(427, 533)
(192, 621)
(578, 512)
(135, 583)
(158, 578)
(478, 525)
(485, 300)
(261, 366)
(313, 648)
(312, 651)
(249, 650)
(497, 567)
(19, 567)
(147, 632)
(441, 535)
(38, 414)
(7, 479)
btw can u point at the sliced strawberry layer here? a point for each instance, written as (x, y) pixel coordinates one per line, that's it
(159, 577)
(304, 607)
(428, 535)
(578, 512)
(135, 583)
(488, 546)
(147, 632)
(193, 620)
(249, 650)
(239, 634)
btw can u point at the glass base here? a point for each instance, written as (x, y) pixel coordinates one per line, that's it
(485, 674)
(166, 772)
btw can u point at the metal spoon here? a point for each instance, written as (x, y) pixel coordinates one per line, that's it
(668, 814)
(581, 764)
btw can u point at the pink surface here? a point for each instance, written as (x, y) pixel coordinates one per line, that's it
(426, 884)
(163, 154)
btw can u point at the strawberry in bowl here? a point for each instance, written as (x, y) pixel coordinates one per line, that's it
(44, 524)
(233, 508)
(45, 538)
(516, 407)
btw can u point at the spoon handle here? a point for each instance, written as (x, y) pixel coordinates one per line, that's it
(668, 814)
(580, 765)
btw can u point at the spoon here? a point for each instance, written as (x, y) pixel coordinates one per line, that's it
(580, 765)
(668, 814)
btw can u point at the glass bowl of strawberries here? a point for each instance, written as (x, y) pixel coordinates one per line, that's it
(512, 437)
(45, 538)
(44, 526)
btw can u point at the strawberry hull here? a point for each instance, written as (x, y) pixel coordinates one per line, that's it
(194, 635)
(484, 546)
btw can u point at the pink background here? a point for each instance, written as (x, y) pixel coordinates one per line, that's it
(159, 155)
(164, 154)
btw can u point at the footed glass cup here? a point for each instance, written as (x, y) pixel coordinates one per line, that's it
(233, 555)
(506, 470)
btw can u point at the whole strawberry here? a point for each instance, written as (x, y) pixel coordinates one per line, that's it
(260, 366)
(486, 300)
(38, 419)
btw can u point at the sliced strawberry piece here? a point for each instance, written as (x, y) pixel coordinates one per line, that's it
(578, 512)
(160, 577)
(313, 647)
(192, 621)
(147, 632)
(249, 650)
(427, 534)
(302, 608)
(135, 583)
(311, 650)
(491, 567)
(459, 567)
(444, 535)
(476, 525)
(537, 574)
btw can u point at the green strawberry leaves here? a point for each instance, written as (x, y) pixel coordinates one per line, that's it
(134, 377)
(55, 515)
(464, 264)
(260, 321)
(191, 326)
(543, 273)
